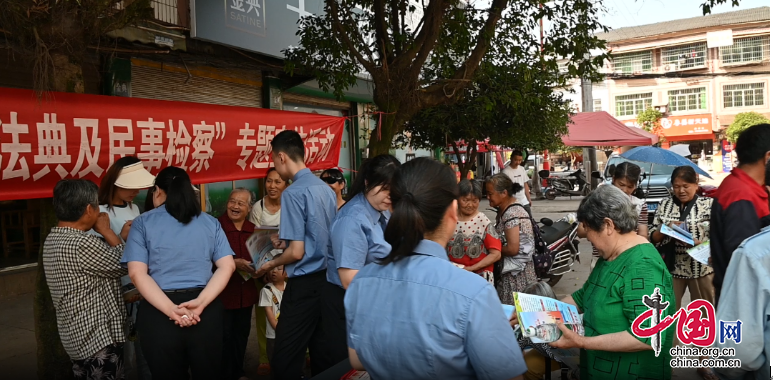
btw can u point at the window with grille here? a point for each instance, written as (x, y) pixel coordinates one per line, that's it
(596, 105)
(744, 95)
(684, 57)
(750, 49)
(409, 156)
(688, 99)
(631, 105)
(632, 63)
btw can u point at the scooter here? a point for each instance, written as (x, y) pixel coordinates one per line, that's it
(565, 186)
(561, 238)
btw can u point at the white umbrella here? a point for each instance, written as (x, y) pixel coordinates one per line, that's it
(682, 150)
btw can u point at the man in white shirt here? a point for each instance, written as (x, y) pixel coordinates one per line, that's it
(518, 175)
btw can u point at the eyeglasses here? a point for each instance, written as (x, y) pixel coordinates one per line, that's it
(331, 180)
(238, 203)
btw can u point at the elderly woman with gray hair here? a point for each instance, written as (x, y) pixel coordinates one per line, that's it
(241, 294)
(516, 269)
(629, 269)
(474, 246)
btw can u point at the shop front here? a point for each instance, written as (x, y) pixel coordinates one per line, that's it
(696, 131)
(80, 136)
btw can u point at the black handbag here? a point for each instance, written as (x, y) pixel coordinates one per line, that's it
(668, 251)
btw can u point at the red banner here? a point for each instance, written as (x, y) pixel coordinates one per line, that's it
(79, 136)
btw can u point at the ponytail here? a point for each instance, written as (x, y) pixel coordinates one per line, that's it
(181, 200)
(515, 188)
(421, 192)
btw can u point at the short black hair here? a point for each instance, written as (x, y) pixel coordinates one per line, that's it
(290, 143)
(374, 172)
(685, 173)
(753, 143)
(72, 196)
(467, 187)
(516, 153)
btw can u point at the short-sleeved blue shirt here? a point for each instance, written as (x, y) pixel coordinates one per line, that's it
(356, 238)
(424, 318)
(308, 208)
(179, 256)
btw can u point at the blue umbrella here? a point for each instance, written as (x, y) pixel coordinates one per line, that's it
(660, 156)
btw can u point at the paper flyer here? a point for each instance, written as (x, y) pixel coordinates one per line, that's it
(537, 317)
(668, 231)
(701, 253)
(261, 248)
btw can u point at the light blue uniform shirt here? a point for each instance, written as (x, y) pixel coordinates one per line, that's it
(424, 318)
(308, 208)
(356, 238)
(179, 256)
(746, 297)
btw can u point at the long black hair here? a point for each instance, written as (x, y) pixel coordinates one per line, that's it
(107, 186)
(374, 172)
(180, 198)
(421, 191)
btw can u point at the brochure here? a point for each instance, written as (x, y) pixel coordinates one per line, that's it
(680, 234)
(701, 253)
(538, 317)
(261, 248)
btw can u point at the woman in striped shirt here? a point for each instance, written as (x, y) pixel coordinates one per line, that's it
(626, 178)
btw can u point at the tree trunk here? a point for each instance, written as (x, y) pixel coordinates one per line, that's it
(53, 361)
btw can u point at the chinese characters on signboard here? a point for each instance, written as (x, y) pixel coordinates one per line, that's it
(682, 125)
(80, 136)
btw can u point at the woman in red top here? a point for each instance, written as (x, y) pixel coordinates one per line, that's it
(474, 246)
(240, 294)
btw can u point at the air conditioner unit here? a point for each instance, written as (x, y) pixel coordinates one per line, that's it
(666, 68)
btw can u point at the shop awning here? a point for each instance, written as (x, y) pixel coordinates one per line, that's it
(601, 129)
(644, 133)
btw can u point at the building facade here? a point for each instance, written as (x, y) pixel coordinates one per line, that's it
(699, 72)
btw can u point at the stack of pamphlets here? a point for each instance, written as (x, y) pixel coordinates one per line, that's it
(538, 317)
(261, 248)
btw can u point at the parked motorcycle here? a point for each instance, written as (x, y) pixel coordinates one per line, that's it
(565, 186)
(561, 238)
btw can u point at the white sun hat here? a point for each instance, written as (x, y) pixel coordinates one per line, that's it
(135, 176)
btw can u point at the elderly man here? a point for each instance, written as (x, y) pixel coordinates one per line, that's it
(240, 295)
(84, 275)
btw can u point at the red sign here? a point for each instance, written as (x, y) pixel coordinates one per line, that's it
(80, 136)
(680, 126)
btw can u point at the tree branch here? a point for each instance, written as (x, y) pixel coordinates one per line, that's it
(439, 92)
(396, 27)
(341, 31)
(382, 37)
(426, 39)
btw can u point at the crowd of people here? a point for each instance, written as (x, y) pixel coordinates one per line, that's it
(402, 275)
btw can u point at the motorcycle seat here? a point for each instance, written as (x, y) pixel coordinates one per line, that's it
(552, 233)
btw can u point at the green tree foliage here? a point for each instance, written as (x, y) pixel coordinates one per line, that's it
(741, 122)
(422, 54)
(55, 33)
(649, 120)
(507, 106)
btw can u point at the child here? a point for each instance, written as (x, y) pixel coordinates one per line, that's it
(271, 299)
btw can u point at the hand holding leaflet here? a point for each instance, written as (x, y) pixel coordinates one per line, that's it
(701, 253)
(679, 234)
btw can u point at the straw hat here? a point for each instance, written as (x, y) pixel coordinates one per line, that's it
(135, 176)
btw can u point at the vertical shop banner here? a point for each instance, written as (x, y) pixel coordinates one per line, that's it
(727, 156)
(67, 135)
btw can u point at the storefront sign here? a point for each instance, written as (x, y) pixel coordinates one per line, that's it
(676, 126)
(263, 26)
(727, 156)
(679, 126)
(80, 136)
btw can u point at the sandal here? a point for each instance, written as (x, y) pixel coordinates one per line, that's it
(707, 374)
